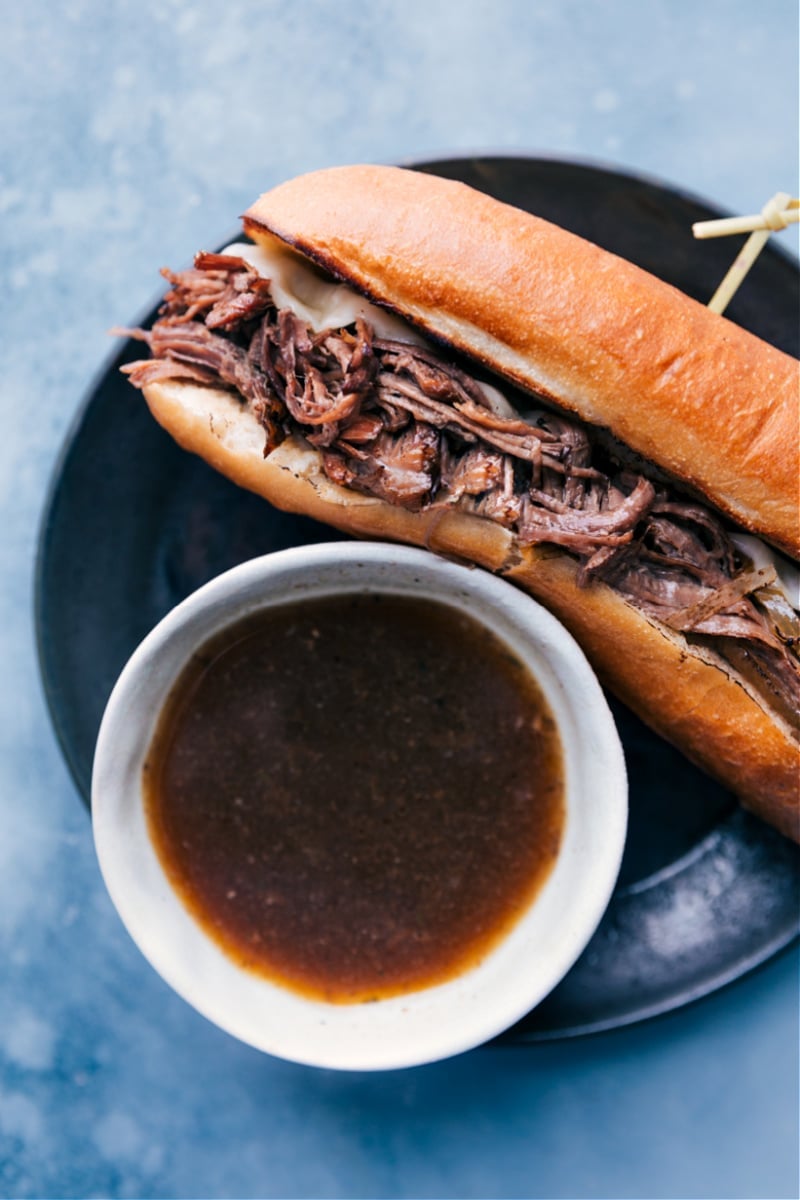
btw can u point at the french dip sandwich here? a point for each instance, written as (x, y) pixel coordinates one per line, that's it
(403, 357)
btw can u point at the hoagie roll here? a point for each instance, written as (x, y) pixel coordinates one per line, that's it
(406, 358)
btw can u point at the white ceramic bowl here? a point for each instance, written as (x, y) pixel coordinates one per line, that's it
(416, 1027)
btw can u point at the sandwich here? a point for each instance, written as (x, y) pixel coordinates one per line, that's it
(406, 358)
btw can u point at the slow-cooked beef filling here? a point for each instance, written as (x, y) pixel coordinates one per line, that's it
(401, 422)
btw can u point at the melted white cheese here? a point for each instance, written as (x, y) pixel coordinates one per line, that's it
(321, 303)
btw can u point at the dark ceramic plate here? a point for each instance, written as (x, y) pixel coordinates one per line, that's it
(133, 525)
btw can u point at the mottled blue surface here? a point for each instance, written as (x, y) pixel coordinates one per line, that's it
(132, 134)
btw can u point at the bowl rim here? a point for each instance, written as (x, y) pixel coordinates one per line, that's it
(389, 1033)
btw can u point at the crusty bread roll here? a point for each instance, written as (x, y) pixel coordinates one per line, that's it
(710, 405)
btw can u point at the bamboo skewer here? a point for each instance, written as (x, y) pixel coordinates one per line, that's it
(727, 225)
(776, 214)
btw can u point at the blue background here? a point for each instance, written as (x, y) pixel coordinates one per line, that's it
(133, 134)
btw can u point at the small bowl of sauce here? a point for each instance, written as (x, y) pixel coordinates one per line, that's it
(360, 806)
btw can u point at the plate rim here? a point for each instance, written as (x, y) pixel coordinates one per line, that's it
(770, 949)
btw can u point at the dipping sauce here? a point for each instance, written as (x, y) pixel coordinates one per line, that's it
(356, 796)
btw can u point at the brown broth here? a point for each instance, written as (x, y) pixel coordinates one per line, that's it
(357, 796)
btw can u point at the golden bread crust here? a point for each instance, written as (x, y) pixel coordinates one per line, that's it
(689, 701)
(711, 404)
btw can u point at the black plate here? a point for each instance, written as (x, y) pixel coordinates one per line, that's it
(132, 525)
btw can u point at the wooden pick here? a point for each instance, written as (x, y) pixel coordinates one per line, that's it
(772, 217)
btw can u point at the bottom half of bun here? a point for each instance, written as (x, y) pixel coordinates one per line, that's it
(683, 692)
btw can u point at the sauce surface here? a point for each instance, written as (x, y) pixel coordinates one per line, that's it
(357, 796)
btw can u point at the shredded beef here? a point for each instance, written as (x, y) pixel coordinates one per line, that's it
(542, 521)
(720, 599)
(397, 469)
(472, 473)
(225, 290)
(222, 360)
(396, 420)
